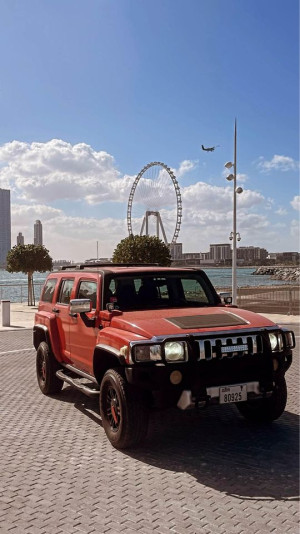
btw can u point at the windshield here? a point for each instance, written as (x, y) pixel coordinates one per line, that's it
(166, 290)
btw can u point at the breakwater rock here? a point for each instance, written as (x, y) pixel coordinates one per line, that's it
(290, 274)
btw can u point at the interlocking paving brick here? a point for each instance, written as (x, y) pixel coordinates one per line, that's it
(209, 472)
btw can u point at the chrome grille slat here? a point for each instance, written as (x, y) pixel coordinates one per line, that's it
(212, 348)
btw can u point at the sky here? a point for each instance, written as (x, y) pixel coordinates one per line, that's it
(92, 91)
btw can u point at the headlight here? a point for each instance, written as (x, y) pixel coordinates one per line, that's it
(147, 353)
(175, 351)
(290, 340)
(276, 341)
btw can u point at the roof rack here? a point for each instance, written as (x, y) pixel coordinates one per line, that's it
(82, 266)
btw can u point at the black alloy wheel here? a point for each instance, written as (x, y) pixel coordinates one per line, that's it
(46, 367)
(123, 411)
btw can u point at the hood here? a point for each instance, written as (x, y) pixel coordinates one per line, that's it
(150, 323)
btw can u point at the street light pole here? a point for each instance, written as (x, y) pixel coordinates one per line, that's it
(234, 235)
(234, 282)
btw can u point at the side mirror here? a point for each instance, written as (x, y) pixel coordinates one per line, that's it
(225, 297)
(80, 305)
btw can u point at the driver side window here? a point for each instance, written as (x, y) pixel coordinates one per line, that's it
(88, 290)
(65, 291)
(193, 291)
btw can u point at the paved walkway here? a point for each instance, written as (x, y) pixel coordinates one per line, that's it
(206, 472)
(22, 316)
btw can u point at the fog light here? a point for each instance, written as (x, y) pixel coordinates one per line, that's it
(175, 377)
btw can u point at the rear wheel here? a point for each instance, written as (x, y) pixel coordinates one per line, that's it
(123, 412)
(46, 367)
(268, 409)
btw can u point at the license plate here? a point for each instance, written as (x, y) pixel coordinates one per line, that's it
(230, 394)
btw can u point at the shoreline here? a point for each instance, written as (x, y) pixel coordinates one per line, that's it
(286, 274)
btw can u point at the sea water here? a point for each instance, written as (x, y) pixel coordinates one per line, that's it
(220, 277)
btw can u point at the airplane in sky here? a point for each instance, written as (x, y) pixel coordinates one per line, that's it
(210, 149)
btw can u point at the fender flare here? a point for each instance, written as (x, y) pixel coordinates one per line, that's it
(106, 357)
(36, 337)
(46, 336)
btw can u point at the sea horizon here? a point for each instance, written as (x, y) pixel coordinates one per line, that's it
(221, 278)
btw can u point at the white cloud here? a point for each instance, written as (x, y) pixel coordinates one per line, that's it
(295, 231)
(206, 197)
(185, 167)
(46, 172)
(242, 178)
(68, 237)
(21, 213)
(278, 163)
(281, 211)
(60, 183)
(296, 203)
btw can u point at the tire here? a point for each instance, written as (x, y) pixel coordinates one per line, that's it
(268, 409)
(46, 367)
(123, 412)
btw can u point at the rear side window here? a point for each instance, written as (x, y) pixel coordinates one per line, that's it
(88, 290)
(48, 291)
(65, 291)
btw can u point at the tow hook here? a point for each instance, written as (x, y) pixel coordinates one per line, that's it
(185, 400)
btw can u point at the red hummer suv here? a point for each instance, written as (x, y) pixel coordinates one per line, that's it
(143, 336)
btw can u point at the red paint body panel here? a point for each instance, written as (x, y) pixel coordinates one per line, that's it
(154, 322)
(73, 342)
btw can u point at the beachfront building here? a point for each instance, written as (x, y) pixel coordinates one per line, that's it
(20, 239)
(176, 251)
(5, 225)
(192, 258)
(252, 254)
(38, 233)
(220, 252)
(287, 257)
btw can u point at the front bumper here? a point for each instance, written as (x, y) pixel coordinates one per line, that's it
(198, 383)
(187, 400)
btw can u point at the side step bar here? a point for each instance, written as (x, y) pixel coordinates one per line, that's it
(84, 388)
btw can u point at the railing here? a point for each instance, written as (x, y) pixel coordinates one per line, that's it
(19, 292)
(272, 299)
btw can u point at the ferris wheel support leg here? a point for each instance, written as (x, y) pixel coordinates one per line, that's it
(143, 225)
(162, 228)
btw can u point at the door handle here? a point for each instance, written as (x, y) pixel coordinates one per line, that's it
(55, 310)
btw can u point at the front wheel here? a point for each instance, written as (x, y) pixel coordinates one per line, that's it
(268, 409)
(123, 412)
(46, 367)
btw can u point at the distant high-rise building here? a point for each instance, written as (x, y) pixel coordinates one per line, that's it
(20, 239)
(251, 253)
(5, 225)
(38, 233)
(176, 251)
(220, 252)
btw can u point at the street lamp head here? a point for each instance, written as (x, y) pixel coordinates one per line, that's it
(230, 177)
(228, 165)
(239, 190)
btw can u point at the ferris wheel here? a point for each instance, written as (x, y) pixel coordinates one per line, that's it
(154, 203)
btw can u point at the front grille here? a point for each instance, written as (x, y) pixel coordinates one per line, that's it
(229, 347)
